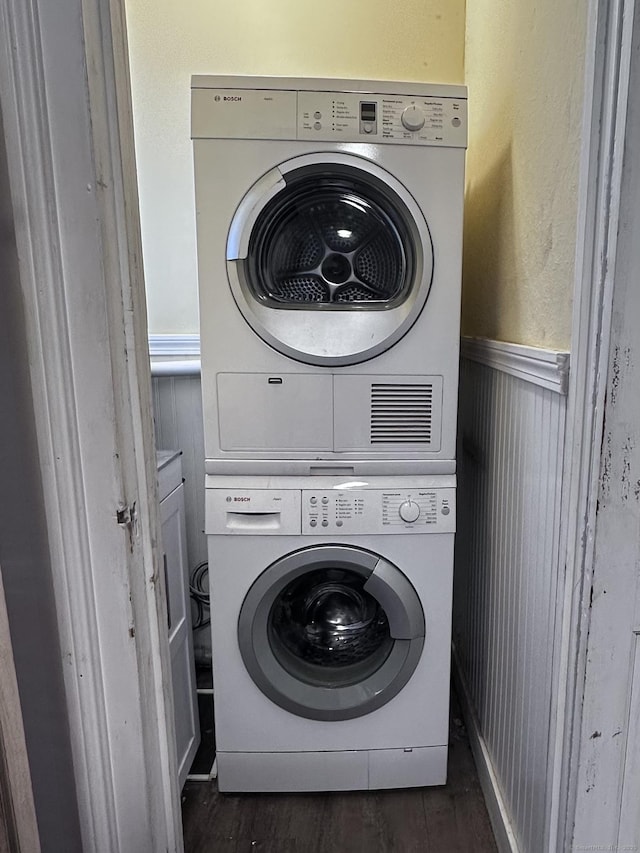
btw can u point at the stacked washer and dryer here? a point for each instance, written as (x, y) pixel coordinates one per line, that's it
(329, 222)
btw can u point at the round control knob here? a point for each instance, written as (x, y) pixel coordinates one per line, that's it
(412, 118)
(409, 511)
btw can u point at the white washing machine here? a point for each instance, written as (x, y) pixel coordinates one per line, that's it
(331, 630)
(329, 222)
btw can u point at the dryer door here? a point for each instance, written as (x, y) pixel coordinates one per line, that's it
(331, 632)
(329, 259)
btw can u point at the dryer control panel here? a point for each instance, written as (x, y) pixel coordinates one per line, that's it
(325, 116)
(372, 511)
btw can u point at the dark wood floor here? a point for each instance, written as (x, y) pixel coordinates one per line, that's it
(448, 819)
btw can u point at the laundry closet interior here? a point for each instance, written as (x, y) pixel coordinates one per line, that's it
(343, 222)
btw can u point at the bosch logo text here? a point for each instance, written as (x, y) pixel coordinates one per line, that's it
(242, 500)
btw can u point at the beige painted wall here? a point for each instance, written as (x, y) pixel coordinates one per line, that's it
(170, 40)
(524, 68)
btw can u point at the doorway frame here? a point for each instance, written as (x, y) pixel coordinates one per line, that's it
(610, 30)
(66, 103)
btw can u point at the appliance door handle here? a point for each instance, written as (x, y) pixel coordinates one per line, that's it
(166, 590)
(248, 522)
(399, 600)
(248, 211)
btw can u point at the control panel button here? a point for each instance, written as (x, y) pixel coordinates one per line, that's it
(409, 511)
(325, 523)
(412, 118)
(313, 501)
(445, 510)
(313, 522)
(325, 500)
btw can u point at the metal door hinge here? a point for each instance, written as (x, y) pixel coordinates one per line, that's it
(126, 517)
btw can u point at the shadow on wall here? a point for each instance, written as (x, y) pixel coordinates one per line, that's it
(489, 258)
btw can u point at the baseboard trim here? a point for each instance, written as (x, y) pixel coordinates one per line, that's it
(498, 812)
(548, 368)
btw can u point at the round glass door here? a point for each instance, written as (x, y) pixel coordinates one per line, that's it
(331, 632)
(329, 259)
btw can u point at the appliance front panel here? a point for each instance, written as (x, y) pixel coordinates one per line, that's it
(261, 413)
(318, 412)
(433, 177)
(332, 771)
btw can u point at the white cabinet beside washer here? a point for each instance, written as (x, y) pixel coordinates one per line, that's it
(176, 575)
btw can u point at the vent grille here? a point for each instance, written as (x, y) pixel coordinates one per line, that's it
(401, 414)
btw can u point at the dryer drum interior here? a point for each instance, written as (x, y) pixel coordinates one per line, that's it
(331, 632)
(333, 242)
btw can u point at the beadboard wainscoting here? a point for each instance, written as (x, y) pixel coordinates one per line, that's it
(511, 443)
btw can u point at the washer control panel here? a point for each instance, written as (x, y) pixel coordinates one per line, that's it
(329, 512)
(367, 511)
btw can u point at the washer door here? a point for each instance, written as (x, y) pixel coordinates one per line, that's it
(331, 632)
(329, 259)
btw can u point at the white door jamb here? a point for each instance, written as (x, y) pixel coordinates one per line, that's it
(608, 49)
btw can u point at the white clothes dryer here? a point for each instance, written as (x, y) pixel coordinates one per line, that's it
(331, 631)
(329, 222)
